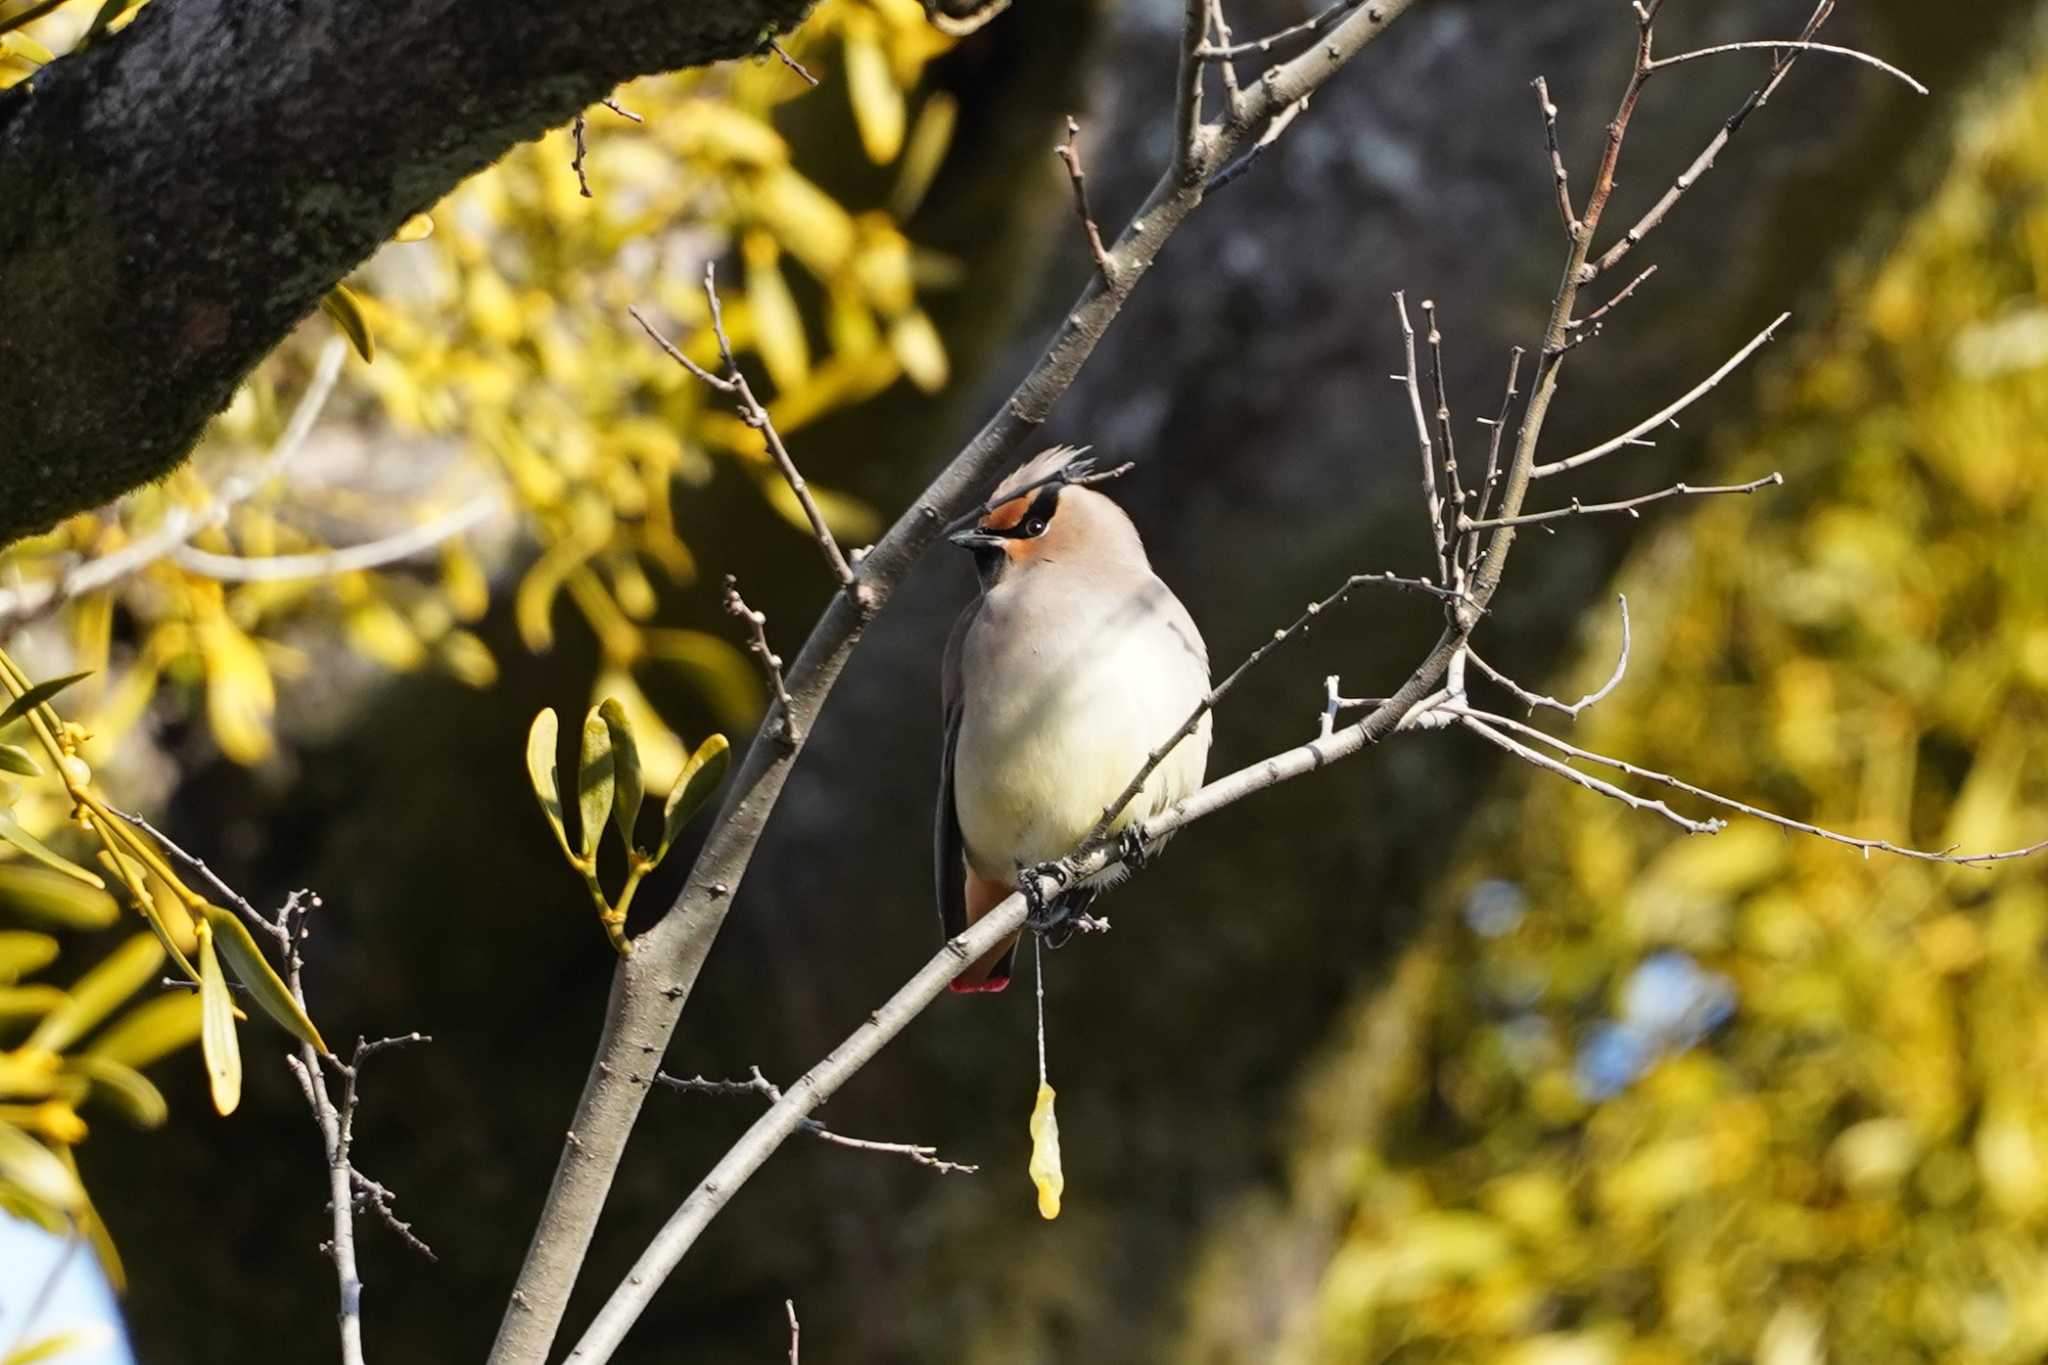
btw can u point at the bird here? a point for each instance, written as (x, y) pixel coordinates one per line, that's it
(1073, 663)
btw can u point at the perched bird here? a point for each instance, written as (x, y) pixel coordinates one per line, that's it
(1073, 664)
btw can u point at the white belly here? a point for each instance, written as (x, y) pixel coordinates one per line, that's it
(1050, 735)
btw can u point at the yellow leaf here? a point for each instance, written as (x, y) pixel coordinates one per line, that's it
(417, 228)
(35, 1170)
(594, 783)
(916, 344)
(877, 99)
(1045, 1154)
(153, 1029)
(255, 973)
(101, 991)
(778, 325)
(694, 785)
(930, 136)
(217, 1028)
(240, 696)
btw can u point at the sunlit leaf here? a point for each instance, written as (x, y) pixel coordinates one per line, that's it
(541, 741)
(594, 782)
(916, 343)
(1045, 1154)
(417, 228)
(715, 665)
(37, 695)
(36, 1171)
(341, 304)
(55, 897)
(23, 953)
(126, 1089)
(12, 832)
(697, 784)
(778, 325)
(930, 136)
(153, 1029)
(629, 787)
(109, 985)
(877, 99)
(217, 1039)
(19, 761)
(246, 960)
(29, 1002)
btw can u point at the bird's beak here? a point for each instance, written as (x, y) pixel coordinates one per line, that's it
(974, 538)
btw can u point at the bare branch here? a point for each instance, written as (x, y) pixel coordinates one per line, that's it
(1781, 45)
(1444, 434)
(1216, 694)
(1593, 318)
(1493, 469)
(1558, 174)
(1671, 410)
(1627, 505)
(1440, 540)
(1070, 154)
(1704, 162)
(775, 46)
(375, 554)
(1224, 49)
(1532, 700)
(771, 662)
(734, 384)
(1867, 846)
(577, 128)
(1471, 721)
(758, 1084)
(795, 1332)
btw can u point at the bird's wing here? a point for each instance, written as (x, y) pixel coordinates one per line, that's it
(949, 859)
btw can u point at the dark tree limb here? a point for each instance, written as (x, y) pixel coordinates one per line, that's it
(179, 195)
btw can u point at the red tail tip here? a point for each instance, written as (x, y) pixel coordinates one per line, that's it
(960, 985)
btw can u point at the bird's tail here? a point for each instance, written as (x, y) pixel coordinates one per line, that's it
(992, 972)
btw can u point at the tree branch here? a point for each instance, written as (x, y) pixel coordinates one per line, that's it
(650, 988)
(195, 197)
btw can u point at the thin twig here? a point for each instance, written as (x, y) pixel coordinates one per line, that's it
(795, 1332)
(1665, 414)
(771, 662)
(1493, 469)
(1866, 846)
(1220, 27)
(1780, 45)
(621, 110)
(792, 63)
(1704, 162)
(1532, 700)
(734, 383)
(577, 128)
(1444, 434)
(1472, 721)
(1070, 154)
(1558, 174)
(393, 549)
(1440, 540)
(1626, 505)
(1604, 309)
(1225, 50)
(758, 1084)
(1216, 694)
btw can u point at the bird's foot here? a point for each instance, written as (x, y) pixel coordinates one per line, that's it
(1045, 916)
(1131, 849)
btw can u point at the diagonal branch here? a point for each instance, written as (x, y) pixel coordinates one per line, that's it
(1665, 414)
(1626, 505)
(734, 384)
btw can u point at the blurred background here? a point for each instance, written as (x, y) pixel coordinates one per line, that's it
(1420, 1058)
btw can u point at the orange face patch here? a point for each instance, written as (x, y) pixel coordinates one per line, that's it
(1006, 517)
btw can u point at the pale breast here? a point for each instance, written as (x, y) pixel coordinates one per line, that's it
(1064, 694)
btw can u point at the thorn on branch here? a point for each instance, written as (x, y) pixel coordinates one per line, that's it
(771, 662)
(1070, 154)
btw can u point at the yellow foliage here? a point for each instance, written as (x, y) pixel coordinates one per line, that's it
(1855, 1166)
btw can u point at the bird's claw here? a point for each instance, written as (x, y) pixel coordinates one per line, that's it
(1131, 849)
(1044, 917)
